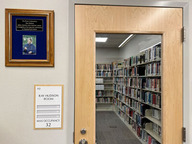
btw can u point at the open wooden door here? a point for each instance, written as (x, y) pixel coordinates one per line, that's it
(91, 19)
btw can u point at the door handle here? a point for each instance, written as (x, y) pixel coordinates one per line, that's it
(83, 141)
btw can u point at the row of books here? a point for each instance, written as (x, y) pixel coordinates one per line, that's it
(120, 104)
(153, 68)
(153, 53)
(137, 129)
(118, 80)
(132, 92)
(144, 96)
(99, 87)
(118, 72)
(125, 117)
(131, 113)
(120, 97)
(126, 72)
(140, 107)
(138, 118)
(156, 114)
(156, 129)
(128, 111)
(133, 71)
(148, 139)
(109, 92)
(118, 64)
(133, 82)
(117, 87)
(103, 81)
(134, 105)
(153, 84)
(100, 93)
(104, 74)
(104, 93)
(108, 87)
(148, 70)
(115, 101)
(127, 62)
(132, 61)
(151, 98)
(99, 80)
(103, 100)
(104, 66)
(137, 125)
(130, 106)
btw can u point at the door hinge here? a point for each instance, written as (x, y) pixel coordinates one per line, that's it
(183, 34)
(184, 134)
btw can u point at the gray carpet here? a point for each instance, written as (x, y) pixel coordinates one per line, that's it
(111, 130)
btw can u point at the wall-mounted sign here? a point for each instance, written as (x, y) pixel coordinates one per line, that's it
(29, 37)
(48, 107)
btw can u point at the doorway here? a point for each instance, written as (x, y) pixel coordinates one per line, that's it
(116, 19)
(128, 88)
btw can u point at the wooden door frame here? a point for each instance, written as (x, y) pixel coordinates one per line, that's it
(183, 5)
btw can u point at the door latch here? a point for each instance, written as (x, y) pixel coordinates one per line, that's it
(83, 131)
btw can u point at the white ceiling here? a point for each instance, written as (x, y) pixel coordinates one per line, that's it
(114, 40)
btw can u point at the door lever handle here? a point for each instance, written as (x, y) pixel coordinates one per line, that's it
(83, 141)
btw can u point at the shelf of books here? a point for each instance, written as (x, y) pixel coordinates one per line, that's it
(104, 84)
(137, 93)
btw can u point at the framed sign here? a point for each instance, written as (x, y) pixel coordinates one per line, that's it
(48, 106)
(29, 37)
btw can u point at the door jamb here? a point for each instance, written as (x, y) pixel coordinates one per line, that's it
(138, 3)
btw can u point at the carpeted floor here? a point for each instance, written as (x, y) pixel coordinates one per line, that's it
(111, 130)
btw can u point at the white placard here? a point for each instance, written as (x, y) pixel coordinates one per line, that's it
(48, 106)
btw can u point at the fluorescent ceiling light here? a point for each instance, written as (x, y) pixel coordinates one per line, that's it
(101, 39)
(150, 47)
(125, 41)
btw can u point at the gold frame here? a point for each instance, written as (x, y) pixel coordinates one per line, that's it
(9, 62)
(61, 107)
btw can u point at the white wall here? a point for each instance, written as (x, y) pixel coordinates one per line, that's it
(132, 48)
(106, 55)
(188, 75)
(17, 84)
(138, 43)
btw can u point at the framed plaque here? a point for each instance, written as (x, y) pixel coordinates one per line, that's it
(48, 106)
(29, 37)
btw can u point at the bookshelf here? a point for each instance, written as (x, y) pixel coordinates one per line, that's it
(137, 93)
(104, 84)
(133, 86)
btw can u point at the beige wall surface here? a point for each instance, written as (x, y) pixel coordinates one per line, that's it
(16, 84)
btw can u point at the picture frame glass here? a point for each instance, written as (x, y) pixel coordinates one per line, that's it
(29, 37)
